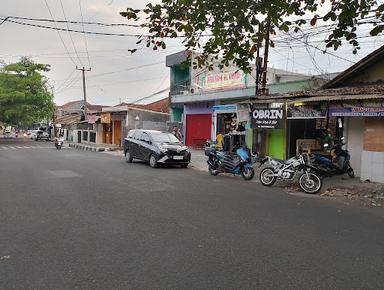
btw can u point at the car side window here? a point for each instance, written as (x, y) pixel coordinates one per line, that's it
(137, 135)
(131, 134)
(145, 137)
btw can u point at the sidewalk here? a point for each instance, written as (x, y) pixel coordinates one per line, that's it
(340, 187)
(335, 186)
(93, 147)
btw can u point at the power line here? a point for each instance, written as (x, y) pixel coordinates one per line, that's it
(85, 37)
(69, 33)
(58, 32)
(127, 69)
(74, 22)
(66, 79)
(121, 82)
(324, 51)
(74, 30)
(156, 91)
(70, 83)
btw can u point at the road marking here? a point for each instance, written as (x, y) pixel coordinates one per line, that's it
(64, 173)
(9, 147)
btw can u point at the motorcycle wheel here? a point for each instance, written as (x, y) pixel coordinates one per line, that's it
(266, 177)
(212, 171)
(350, 172)
(310, 184)
(247, 173)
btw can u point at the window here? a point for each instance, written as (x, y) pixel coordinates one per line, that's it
(164, 138)
(131, 133)
(92, 137)
(137, 135)
(145, 137)
(85, 135)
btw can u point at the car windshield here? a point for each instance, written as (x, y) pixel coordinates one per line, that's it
(164, 138)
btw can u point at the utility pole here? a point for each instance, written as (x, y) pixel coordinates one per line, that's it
(265, 63)
(258, 64)
(83, 70)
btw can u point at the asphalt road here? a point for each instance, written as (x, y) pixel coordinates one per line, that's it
(84, 220)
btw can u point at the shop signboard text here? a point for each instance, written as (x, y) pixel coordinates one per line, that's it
(267, 116)
(358, 109)
(222, 80)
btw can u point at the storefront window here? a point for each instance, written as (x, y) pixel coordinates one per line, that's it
(226, 123)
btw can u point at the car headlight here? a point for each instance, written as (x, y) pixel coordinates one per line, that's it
(163, 149)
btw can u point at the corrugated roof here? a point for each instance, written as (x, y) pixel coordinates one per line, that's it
(68, 120)
(337, 98)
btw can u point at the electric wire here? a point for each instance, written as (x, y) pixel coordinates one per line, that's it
(66, 79)
(75, 30)
(69, 33)
(58, 32)
(74, 22)
(127, 69)
(85, 36)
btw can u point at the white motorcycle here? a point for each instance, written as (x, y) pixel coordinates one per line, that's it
(309, 181)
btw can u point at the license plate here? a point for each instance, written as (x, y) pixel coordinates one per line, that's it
(178, 157)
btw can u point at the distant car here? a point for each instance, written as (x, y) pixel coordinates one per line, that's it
(156, 147)
(39, 135)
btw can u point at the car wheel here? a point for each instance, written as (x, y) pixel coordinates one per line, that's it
(153, 161)
(128, 157)
(184, 165)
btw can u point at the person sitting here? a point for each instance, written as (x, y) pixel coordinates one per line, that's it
(326, 140)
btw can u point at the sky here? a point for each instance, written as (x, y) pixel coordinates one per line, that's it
(116, 75)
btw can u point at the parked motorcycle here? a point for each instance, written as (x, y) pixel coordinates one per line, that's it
(341, 164)
(309, 181)
(223, 162)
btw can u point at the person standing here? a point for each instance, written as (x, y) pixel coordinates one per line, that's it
(177, 133)
(219, 141)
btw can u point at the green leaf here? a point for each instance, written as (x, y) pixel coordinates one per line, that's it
(375, 31)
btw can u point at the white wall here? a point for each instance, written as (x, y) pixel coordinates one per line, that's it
(355, 136)
(373, 166)
(99, 133)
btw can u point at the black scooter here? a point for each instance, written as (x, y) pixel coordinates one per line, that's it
(326, 167)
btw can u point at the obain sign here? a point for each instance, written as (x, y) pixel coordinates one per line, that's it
(267, 116)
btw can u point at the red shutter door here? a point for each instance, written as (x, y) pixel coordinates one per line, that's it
(198, 130)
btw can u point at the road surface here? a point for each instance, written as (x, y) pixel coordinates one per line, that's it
(85, 220)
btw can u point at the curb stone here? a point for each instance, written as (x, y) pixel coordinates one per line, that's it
(91, 148)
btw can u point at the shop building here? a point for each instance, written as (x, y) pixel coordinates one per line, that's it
(351, 106)
(118, 120)
(205, 101)
(355, 102)
(69, 120)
